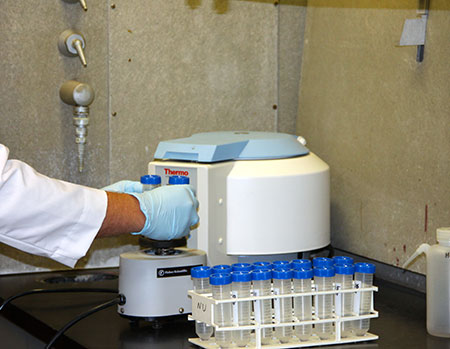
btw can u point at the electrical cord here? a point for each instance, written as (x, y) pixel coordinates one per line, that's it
(58, 290)
(120, 299)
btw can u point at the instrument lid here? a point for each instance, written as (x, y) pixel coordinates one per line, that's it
(231, 145)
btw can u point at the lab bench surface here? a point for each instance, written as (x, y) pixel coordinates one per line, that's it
(401, 322)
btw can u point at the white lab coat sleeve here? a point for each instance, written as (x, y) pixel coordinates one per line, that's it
(46, 216)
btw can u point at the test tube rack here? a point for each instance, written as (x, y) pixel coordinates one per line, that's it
(203, 310)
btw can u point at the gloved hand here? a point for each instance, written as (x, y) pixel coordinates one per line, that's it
(125, 187)
(169, 210)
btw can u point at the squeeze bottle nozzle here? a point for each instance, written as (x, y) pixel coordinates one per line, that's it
(421, 249)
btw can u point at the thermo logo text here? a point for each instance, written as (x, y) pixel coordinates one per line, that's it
(170, 172)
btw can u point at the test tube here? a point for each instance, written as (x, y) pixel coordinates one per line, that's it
(303, 304)
(178, 180)
(200, 278)
(323, 279)
(221, 289)
(241, 288)
(282, 306)
(262, 286)
(344, 281)
(222, 269)
(363, 278)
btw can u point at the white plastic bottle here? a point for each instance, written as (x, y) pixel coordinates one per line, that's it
(200, 279)
(150, 182)
(221, 289)
(344, 281)
(262, 286)
(323, 280)
(241, 288)
(282, 306)
(303, 304)
(438, 283)
(363, 278)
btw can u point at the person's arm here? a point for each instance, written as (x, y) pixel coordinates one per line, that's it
(123, 215)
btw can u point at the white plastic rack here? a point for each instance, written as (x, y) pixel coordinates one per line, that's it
(203, 310)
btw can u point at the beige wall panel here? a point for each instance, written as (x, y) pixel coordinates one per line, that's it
(177, 69)
(381, 121)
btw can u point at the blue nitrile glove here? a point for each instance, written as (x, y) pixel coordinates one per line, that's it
(169, 210)
(125, 187)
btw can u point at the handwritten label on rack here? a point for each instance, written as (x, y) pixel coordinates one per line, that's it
(338, 300)
(258, 318)
(357, 299)
(276, 305)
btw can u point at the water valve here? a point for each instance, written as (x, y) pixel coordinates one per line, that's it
(80, 96)
(71, 44)
(82, 3)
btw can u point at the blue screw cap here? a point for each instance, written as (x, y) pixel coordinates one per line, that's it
(241, 276)
(319, 262)
(344, 269)
(222, 268)
(301, 263)
(262, 265)
(305, 273)
(324, 271)
(220, 279)
(151, 179)
(175, 180)
(201, 272)
(281, 264)
(282, 274)
(241, 267)
(262, 274)
(365, 268)
(342, 260)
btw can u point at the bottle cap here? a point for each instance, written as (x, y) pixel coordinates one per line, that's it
(241, 267)
(443, 234)
(175, 180)
(281, 264)
(201, 272)
(303, 273)
(151, 179)
(342, 260)
(324, 271)
(282, 274)
(365, 268)
(262, 274)
(319, 262)
(221, 268)
(344, 269)
(262, 265)
(241, 276)
(301, 263)
(220, 279)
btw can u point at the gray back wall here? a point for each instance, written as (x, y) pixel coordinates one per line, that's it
(160, 69)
